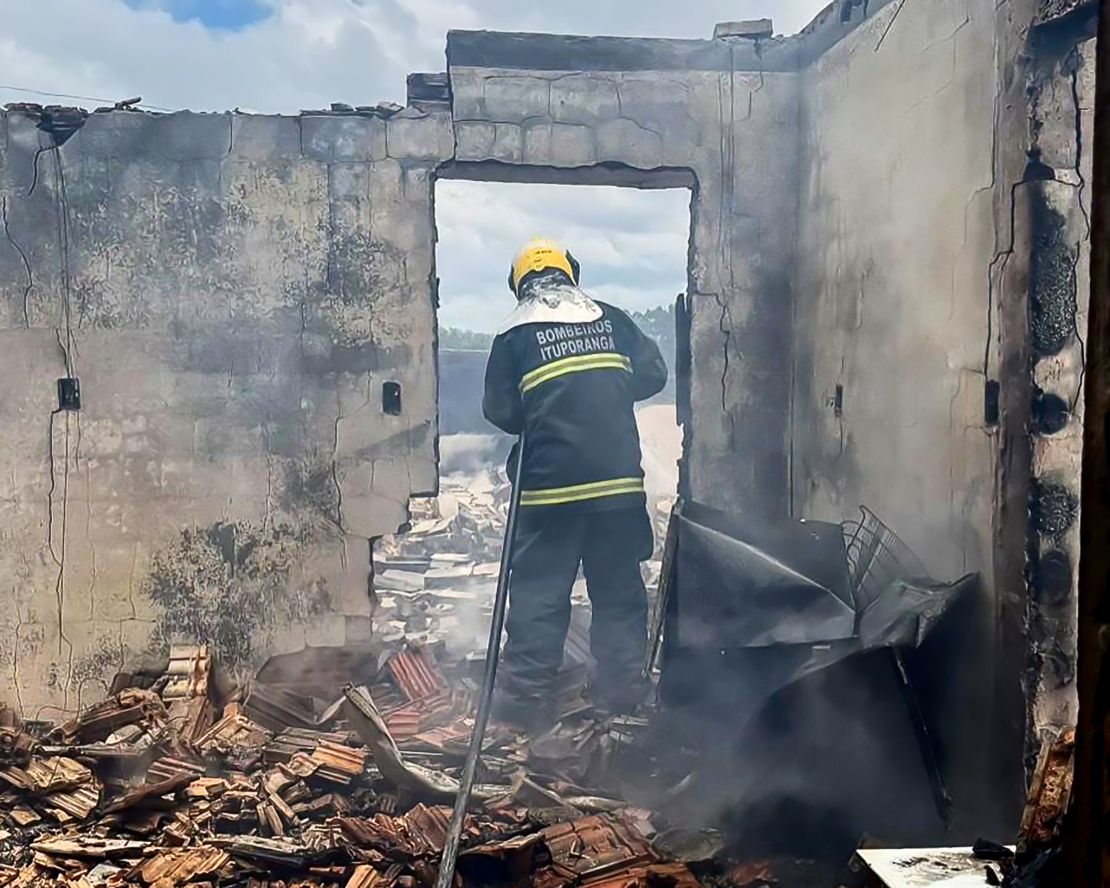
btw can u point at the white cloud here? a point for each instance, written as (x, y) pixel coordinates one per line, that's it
(632, 244)
(309, 53)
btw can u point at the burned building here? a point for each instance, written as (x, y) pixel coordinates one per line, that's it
(219, 378)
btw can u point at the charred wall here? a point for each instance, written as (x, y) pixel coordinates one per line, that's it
(938, 340)
(1059, 222)
(232, 291)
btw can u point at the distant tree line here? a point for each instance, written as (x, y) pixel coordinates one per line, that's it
(658, 323)
(465, 340)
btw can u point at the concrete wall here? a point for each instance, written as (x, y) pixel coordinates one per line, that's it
(895, 336)
(718, 117)
(896, 235)
(232, 292)
(926, 236)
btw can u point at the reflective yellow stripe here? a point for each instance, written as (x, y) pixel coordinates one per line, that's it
(575, 364)
(597, 364)
(579, 492)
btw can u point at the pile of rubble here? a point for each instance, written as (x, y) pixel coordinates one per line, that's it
(333, 766)
(436, 581)
(283, 782)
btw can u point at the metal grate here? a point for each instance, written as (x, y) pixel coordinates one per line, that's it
(876, 557)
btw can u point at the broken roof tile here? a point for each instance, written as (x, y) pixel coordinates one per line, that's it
(74, 804)
(364, 876)
(142, 794)
(48, 774)
(89, 847)
(180, 866)
(415, 674)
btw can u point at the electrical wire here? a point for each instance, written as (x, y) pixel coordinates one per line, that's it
(55, 95)
(62, 204)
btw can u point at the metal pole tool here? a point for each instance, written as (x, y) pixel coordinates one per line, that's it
(485, 699)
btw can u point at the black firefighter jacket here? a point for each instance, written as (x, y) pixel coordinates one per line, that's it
(571, 388)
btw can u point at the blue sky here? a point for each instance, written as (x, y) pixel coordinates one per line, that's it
(632, 243)
(219, 15)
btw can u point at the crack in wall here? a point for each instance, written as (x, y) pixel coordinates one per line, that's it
(638, 124)
(335, 471)
(726, 335)
(16, 684)
(69, 556)
(23, 258)
(35, 167)
(996, 270)
(1073, 61)
(1075, 402)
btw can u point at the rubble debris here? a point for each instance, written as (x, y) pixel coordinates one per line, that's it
(748, 875)
(289, 780)
(46, 776)
(176, 784)
(367, 721)
(435, 582)
(126, 708)
(91, 847)
(186, 690)
(15, 743)
(143, 794)
(337, 762)
(178, 867)
(276, 708)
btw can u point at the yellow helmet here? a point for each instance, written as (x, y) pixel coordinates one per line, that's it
(541, 254)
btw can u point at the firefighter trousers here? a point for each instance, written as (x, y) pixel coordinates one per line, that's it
(550, 546)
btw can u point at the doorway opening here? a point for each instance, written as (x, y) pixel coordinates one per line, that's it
(633, 247)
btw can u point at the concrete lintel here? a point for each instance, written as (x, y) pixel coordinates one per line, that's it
(595, 174)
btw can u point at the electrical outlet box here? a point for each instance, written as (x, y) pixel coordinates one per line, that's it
(992, 403)
(69, 393)
(391, 398)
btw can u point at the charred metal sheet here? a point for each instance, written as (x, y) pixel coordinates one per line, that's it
(751, 582)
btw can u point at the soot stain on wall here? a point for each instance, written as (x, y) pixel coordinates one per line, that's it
(307, 487)
(231, 585)
(91, 674)
(1053, 576)
(358, 264)
(1053, 509)
(1052, 283)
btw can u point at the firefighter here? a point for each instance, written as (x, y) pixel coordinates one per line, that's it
(566, 370)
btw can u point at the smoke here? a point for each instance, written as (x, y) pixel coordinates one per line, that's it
(463, 454)
(811, 771)
(661, 449)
